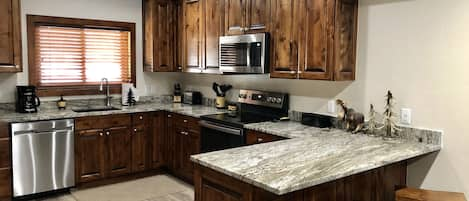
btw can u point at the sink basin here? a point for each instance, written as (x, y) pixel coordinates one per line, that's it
(94, 109)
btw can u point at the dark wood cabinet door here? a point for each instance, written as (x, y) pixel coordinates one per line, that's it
(213, 30)
(190, 145)
(179, 35)
(361, 187)
(192, 36)
(332, 191)
(5, 183)
(119, 151)
(216, 193)
(345, 39)
(235, 12)
(254, 137)
(10, 36)
(285, 38)
(158, 140)
(317, 39)
(140, 148)
(170, 151)
(160, 34)
(90, 155)
(257, 16)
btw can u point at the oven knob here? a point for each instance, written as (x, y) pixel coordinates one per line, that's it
(269, 99)
(278, 100)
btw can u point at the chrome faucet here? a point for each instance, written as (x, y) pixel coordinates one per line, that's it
(107, 101)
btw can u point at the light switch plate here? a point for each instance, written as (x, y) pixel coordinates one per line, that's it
(406, 116)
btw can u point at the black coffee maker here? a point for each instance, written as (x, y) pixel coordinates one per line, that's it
(26, 99)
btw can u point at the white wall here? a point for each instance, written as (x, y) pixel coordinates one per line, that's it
(416, 48)
(115, 10)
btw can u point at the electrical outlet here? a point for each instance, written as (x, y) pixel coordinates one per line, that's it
(331, 107)
(406, 116)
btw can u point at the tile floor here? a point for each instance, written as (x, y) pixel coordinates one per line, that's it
(156, 188)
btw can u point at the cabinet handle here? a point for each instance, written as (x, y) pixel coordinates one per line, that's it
(140, 117)
(101, 134)
(260, 140)
(293, 72)
(107, 133)
(135, 130)
(185, 121)
(169, 116)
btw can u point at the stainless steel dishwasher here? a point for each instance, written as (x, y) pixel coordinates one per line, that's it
(43, 156)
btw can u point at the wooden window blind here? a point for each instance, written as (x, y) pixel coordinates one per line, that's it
(71, 59)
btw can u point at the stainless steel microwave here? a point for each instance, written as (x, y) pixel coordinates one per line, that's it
(244, 54)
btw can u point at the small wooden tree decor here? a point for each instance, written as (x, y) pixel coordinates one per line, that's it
(389, 121)
(372, 122)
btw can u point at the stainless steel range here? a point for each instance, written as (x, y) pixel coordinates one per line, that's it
(224, 131)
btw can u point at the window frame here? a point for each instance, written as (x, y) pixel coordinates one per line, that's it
(34, 21)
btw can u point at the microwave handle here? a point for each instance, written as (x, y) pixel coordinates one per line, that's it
(221, 128)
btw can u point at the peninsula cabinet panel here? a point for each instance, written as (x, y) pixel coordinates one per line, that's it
(285, 38)
(159, 35)
(10, 36)
(234, 16)
(90, 155)
(140, 148)
(119, 150)
(192, 38)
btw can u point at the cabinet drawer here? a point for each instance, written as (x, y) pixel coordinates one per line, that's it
(254, 137)
(4, 130)
(5, 161)
(186, 121)
(140, 118)
(5, 183)
(102, 122)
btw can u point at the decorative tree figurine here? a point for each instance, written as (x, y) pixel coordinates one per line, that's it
(389, 121)
(130, 98)
(372, 123)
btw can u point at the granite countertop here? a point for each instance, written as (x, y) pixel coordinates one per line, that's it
(11, 116)
(313, 156)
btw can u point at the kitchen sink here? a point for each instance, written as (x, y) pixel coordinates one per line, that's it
(94, 109)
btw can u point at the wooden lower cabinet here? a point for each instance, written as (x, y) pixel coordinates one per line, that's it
(5, 163)
(375, 185)
(89, 155)
(255, 137)
(119, 151)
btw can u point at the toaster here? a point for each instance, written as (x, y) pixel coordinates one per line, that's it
(192, 98)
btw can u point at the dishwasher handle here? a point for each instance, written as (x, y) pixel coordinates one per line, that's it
(33, 132)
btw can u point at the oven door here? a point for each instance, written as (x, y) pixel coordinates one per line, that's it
(216, 136)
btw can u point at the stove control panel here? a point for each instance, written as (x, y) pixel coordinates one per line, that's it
(270, 99)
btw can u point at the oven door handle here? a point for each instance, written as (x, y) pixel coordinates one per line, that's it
(221, 128)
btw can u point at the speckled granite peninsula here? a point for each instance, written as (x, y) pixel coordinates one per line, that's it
(10, 116)
(313, 156)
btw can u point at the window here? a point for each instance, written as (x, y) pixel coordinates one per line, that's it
(71, 56)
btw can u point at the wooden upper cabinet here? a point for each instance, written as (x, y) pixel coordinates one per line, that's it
(314, 39)
(159, 35)
(192, 36)
(257, 16)
(318, 19)
(10, 36)
(285, 39)
(234, 16)
(247, 16)
(213, 26)
(345, 39)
